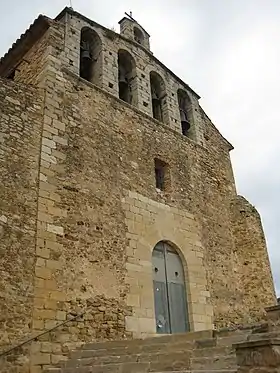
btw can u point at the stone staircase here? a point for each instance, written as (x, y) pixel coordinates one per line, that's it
(189, 352)
(197, 352)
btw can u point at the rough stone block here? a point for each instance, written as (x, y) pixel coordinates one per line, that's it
(43, 272)
(41, 359)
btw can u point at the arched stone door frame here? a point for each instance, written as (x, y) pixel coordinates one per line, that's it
(149, 222)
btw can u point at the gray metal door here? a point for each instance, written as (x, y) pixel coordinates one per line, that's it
(169, 290)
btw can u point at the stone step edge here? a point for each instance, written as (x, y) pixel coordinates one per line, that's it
(189, 345)
(155, 354)
(129, 350)
(171, 338)
(115, 361)
(207, 360)
(178, 339)
(58, 370)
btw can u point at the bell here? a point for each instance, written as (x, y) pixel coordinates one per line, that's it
(85, 55)
(122, 77)
(183, 116)
(154, 96)
(184, 122)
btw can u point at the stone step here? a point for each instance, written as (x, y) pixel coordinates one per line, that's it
(58, 370)
(158, 344)
(153, 348)
(200, 347)
(213, 351)
(232, 339)
(214, 362)
(202, 371)
(136, 358)
(258, 336)
(146, 363)
(171, 338)
(213, 371)
(138, 352)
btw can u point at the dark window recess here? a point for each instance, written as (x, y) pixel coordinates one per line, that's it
(90, 56)
(138, 36)
(185, 124)
(158, 93)
(185, 111)
(127, 73)
(160, 174)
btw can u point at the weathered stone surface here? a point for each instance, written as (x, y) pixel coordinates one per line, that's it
(20, 129)
(80, 211)
(258, 356)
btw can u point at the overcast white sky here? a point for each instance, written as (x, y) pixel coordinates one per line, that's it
(226, 50)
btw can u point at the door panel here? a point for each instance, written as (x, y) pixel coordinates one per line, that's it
(160, 291)
(169, 290)
(176, 292)
(177, 307)
(161, 308)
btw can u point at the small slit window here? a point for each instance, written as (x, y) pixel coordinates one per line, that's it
(161, 174)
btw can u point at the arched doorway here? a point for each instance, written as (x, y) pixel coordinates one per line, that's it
(169, 290)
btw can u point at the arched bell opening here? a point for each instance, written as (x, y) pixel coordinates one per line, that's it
(90, 56)
(158, 93)
(185, 112)
(170, 297)
(127, 77)
(138, 35)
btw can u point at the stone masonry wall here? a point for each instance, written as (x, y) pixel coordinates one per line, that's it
(250, 248)
(95, 151)
(77, 255)
(56, 294)
(29, 70)
(20, 132)
(202, 183)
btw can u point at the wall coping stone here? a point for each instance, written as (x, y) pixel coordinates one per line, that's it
(257, 343)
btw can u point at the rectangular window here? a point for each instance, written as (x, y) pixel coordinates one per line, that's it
(160, 174)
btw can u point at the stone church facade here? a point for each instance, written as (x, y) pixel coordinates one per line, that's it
(118, 199)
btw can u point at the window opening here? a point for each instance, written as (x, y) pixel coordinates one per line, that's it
(185, 110)
(158, 93)
(126, 76)
(90, 56)
(160, 174)
(138, 36)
